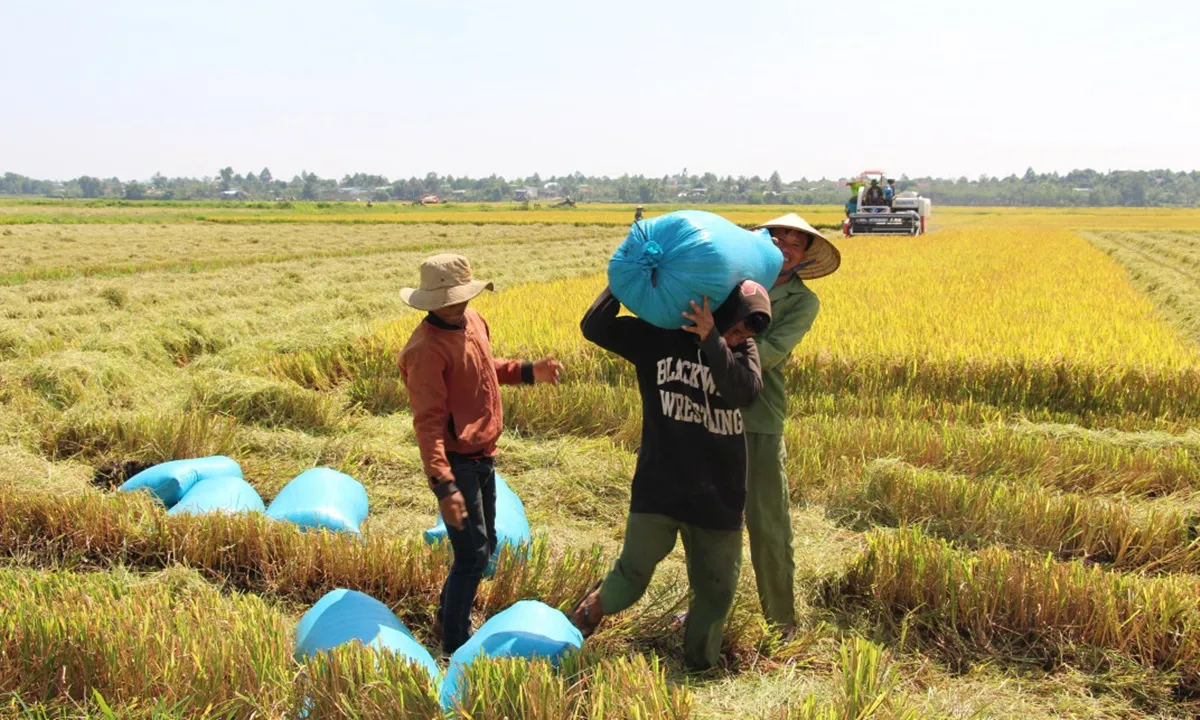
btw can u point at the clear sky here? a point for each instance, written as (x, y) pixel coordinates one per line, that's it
(399, 88)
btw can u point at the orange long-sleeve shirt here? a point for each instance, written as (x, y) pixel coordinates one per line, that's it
(453, 386)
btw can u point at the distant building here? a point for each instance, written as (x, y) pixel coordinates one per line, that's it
(525, 193)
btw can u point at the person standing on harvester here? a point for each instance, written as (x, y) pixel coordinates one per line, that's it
(807, 255)
(453, 386)
(690, 478)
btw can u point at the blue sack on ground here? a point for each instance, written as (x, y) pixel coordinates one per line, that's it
(528, 629)
(322, 498)
(219, 494)
(667, 261)
(170, 481)
(343, 616)
(512, 527)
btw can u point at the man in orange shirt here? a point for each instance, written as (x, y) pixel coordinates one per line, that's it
(453, 386)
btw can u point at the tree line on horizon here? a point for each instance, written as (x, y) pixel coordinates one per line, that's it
(1078, 188)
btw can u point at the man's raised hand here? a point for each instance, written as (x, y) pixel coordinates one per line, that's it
(701, 318)
(547, 370)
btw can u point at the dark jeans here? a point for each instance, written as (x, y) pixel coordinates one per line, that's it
(473, 546)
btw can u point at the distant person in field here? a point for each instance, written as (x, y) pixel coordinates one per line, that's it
(889, 192)
(453, 386)
(874, 194)
(807, 255)
(690, 478)
(637, 214)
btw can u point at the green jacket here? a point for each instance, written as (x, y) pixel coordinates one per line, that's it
(793, 309)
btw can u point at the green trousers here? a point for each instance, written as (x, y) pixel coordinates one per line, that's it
(714, 560)
(770, 527)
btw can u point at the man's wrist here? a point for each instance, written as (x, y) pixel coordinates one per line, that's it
(444, 489)
(527, 376)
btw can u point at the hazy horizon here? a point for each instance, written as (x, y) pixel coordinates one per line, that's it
(933, 88)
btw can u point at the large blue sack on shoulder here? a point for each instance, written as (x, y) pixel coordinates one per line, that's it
(528, 629)
(170, 481)
(670, 260)
(343, 616)
(219, 495)
(322, 498)
(512, 527)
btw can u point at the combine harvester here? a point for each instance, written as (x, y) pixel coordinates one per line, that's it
(905, 214)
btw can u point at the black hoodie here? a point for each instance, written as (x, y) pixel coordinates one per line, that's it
(692, 462)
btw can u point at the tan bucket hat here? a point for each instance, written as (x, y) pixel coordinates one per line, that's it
(445, 280)
(824, 256)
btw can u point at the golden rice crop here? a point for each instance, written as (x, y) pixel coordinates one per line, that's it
(868, 689)
(88, 531)
(1120, 534)
(358, 214)
(1165, 266)
(606, 216)
(1116, 218)
(1023, 321)
(954, 296)
(958, 295)
(599, 214)
(250, 552)
(996, 600)
(50, 252)
(950, 296)
(65, 636)
(1009, 351)
(172, 646)
(584, 688)
(832, 448)
(171, 316)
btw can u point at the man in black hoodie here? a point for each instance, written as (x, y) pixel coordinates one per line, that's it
(690, 478)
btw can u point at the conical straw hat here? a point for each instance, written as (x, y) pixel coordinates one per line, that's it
(824, 257)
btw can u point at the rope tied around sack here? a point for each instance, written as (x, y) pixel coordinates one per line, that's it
(651, 254)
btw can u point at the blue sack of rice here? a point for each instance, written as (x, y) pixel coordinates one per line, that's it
(170, 481)
(528, 629)
(670, 260)
(219, 495)
(322, 498)
(343, 616)
(512, 527)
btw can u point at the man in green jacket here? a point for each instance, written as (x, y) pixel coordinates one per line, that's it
(807, 254)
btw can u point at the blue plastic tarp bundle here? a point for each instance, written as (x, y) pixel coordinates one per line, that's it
(670, 260)
(219, 495)
(512, 527)
(528, 629)
(343, 616)
(322, 498)
(170, 481)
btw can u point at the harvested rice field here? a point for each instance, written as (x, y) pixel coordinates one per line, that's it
(993, 457)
